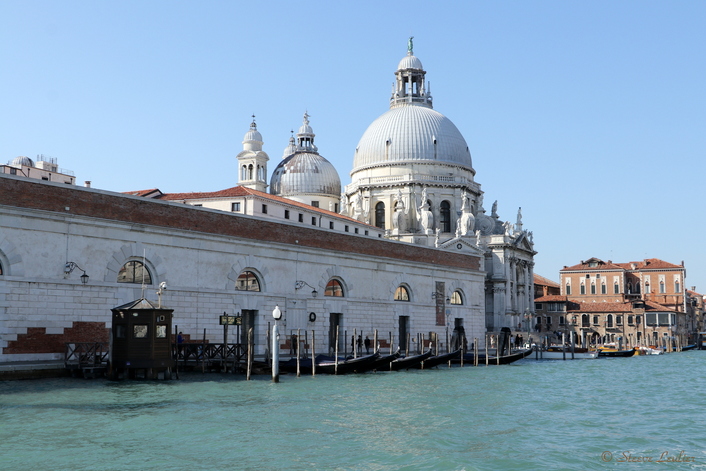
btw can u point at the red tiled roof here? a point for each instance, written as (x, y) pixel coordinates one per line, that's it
(241, 191)
(540, 280)
(650, 263)
(551, 298)
(613, 307)
(602, 266)
(153, 193)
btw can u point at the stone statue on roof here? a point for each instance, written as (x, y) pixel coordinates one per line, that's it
(410, 46)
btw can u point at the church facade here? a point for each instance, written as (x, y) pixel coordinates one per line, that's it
(407, 247)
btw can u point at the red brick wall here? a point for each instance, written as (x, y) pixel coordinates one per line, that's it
(36, 340)
(91, 203)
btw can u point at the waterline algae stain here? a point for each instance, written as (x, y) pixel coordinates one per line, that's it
(593, 414)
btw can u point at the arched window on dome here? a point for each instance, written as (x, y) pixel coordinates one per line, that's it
(134, 271)
(247, 281)
(445, 216)
(457, 297)
(380, 215)
(334, 288)
(401, 293)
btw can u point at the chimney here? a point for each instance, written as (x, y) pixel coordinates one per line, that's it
(87, 183)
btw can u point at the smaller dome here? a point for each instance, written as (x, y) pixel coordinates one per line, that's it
(22, 160)
(305, 173)
(410, 62)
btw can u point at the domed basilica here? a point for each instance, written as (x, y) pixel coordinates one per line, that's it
(412, 177)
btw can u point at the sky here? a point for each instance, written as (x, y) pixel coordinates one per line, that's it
(590, 116)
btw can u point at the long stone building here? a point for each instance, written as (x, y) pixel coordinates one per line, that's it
(405, 248)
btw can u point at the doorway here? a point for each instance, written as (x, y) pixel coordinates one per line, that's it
(403, 332)
(335, 319)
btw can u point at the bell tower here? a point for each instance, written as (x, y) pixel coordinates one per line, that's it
(252, 161)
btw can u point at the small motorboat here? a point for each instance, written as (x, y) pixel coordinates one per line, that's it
(555, 352)
(614, 353)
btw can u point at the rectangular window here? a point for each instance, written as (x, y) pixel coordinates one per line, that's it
(548, 320)
(638, 320)
(595, 320)
(286, 214)
(335, 207)
(537, 306)
(355, 230)
(140, 331)
(120, 331)
(604, 290)
(593, 289)
(345, 228)
(235, 207)
(330, 224)
(301, 217)
(561, 320)
(313, 221)
(619, 320)
(366, 232)
(13, 171)
(315, 204)
(616, 289)
(583, 289)
(198, 205)
(264, 209)
(630, 320)
(568, 290)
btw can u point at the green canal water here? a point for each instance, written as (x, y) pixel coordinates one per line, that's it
(532, 415)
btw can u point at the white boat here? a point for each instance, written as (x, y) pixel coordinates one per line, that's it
(557, 353)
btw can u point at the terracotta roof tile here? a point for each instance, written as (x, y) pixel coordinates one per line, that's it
(540, 280)
(551, 298)
(241, 191)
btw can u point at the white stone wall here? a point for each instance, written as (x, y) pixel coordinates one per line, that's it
(200, 270)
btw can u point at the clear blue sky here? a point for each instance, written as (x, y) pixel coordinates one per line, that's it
(591, 116)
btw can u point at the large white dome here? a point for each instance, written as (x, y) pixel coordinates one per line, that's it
(411, 133)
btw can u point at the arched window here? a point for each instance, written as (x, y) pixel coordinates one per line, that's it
(401, 293)
(585, 320)
(568, 289)
(609, 320)
(647, 287)
(334, 288)
(445, 216)
(244, 173)
(380, 215)
(593, 288)
(134, 271)
(0, 268)
(676, 283)
(250, 172)
(247, 281)
(661, 286)
(457, 297)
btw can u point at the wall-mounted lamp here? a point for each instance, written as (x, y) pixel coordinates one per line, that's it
(438, 295)
(70, 266)
(300, 284)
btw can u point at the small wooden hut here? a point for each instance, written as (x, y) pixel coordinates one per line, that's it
(141, 341)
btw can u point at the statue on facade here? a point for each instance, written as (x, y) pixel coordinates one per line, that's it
(399, 217)
(508, 228)
(518, 225)
(478, 237)
(424, 214)
(494, 212)
(436, 237)
(467, 221)
(358, 207)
